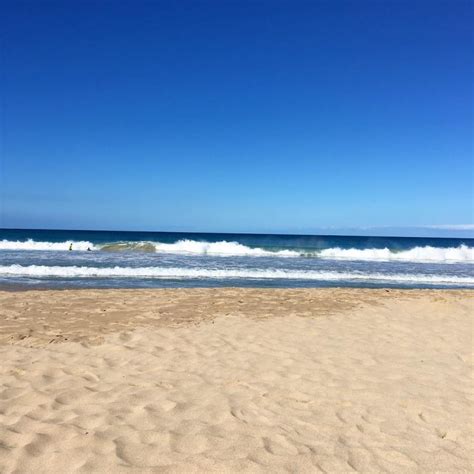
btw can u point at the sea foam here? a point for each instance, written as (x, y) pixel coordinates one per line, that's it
(461, 254)
(31, 244)
(177, 273)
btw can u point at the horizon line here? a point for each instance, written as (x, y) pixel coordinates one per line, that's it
(304, 234)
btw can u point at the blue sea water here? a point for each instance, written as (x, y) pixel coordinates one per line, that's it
(41, 258)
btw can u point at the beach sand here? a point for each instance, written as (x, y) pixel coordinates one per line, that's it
(236, 380)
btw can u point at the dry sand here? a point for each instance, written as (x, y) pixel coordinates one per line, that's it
(229, 380)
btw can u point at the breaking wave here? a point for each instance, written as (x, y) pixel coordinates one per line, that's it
(221, 248)
(461, 254)
(189, 247)
(194, 247)
(31, 244)
(39, 271)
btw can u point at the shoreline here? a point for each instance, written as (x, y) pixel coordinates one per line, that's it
(15, 288)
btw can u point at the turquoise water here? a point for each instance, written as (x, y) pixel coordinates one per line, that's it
(41, 258)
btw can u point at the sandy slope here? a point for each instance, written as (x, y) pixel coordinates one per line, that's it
(236, 380)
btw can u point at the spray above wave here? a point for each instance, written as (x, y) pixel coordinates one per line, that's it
(178, 273)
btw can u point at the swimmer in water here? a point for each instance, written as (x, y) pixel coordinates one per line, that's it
(70, 247)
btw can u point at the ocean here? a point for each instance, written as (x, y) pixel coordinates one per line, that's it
(42, 259)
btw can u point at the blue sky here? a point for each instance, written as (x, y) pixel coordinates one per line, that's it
(237, 116)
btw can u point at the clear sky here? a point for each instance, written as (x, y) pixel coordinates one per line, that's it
(236, 115)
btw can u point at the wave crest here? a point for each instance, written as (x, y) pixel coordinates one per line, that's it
(141, 246)
(461, 254)
(222, 248)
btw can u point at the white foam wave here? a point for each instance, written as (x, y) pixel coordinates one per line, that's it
(31, 244)
(222, 248)
(461, 254)
(427, 254)
(189, 247)
(39, 271)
